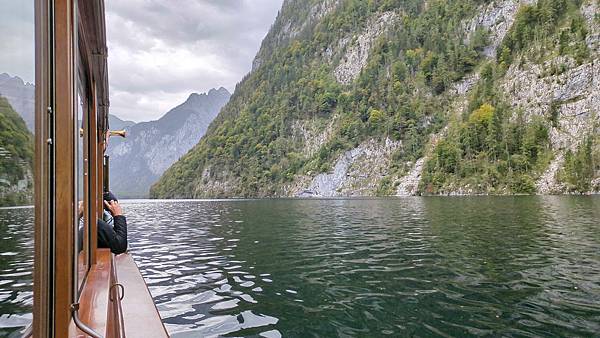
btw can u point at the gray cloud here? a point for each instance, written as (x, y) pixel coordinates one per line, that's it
(17, 39)
(160, 51)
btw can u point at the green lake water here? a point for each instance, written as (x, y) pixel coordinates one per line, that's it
(413, 267)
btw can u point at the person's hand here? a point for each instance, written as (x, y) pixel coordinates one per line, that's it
(80, 209)
(114, 208)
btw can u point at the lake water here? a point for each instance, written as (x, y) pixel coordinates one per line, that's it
(427, 267)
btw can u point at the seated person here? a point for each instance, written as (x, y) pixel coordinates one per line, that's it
(113, 236)
(112, 231)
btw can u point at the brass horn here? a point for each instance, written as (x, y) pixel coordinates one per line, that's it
(111, 133)
(122, 133)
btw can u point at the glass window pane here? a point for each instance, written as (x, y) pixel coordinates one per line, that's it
(81, 233)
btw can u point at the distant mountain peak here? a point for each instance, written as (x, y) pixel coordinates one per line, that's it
(21, 96)
(14, 80)
(220, 91)
(193, 96)
(212, 93)
(117, 123)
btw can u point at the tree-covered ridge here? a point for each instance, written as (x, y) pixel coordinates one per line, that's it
(404, 94)
(251, 139)
(16, 157)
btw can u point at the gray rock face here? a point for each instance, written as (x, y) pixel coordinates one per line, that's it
(497, 17)
(465, 85)
(409, 184)
(152, 147)
(21, 96)
(357, 172)
(311, 136)
(575, 94)
(357, 53)
(590, 10)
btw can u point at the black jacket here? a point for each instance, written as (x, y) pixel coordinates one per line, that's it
(114, 238)
(111, 237)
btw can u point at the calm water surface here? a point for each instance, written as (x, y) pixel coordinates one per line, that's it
(427, 267)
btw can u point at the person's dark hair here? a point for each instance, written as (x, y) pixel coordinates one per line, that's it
(109, 196)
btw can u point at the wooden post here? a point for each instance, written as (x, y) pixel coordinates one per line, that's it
(65, 211)
(42, 274)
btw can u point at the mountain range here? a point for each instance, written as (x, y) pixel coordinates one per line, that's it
(150, 147)
(363, 98)
(137, 161)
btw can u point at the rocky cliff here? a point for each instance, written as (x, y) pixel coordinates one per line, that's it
(351, 98)
(16, 158)
(151, 147)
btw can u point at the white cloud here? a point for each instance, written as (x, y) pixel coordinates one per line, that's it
(161, 51)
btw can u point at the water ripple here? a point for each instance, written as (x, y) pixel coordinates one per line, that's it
(16, 269)
(523, 266)
(423, 267)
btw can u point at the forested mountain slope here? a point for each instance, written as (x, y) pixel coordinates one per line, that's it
(16, 158)
(389, 97)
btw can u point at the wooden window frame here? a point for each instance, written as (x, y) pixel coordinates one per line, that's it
(61, 32)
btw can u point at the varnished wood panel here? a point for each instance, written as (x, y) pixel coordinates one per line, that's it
(41, 273)
(94, 300)
(65, 170)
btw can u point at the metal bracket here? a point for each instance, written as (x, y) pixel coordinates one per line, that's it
(86, 329)
(121, 295)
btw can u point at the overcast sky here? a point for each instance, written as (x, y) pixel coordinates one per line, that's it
(17, 38)
(160, 51)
